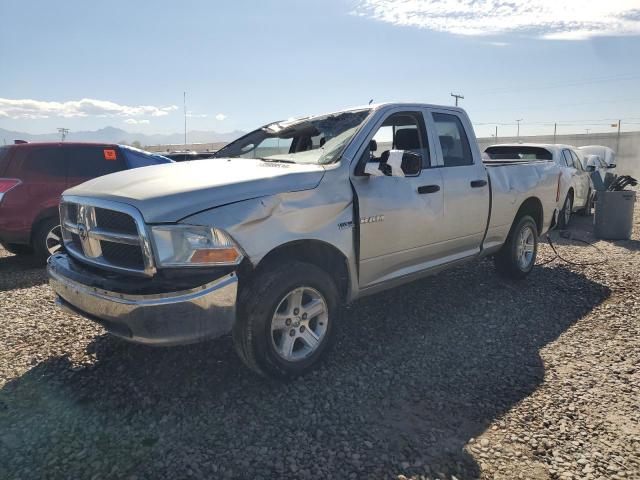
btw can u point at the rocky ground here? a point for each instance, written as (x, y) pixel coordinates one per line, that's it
(461, 375)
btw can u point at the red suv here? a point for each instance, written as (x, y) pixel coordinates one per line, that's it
(34, 175)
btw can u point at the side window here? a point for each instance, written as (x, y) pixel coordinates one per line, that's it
(456, 151)
(400, 131)
(44, 162)
(568, 161)
(93, 161)
(576, 162)
(138, 158)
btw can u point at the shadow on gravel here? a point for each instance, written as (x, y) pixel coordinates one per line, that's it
(416, 372)
(20, 272)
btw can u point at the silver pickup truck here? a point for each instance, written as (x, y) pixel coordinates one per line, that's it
(289, 222)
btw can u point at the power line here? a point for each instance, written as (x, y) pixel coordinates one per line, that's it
(593, 80)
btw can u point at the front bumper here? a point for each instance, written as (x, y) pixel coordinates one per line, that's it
(173, 318)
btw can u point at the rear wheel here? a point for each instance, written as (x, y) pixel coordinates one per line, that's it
(286, 320)
(517, 256)
(17, 249)
(47, 239)
(565, 213)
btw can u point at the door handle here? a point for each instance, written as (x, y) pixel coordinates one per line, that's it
(428, 189)
(478, 183)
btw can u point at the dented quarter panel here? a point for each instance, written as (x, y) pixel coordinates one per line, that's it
(511, 185)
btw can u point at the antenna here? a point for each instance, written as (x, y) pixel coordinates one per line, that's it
(63, 133)
(184, 104)
(457, 96)
(370, 101)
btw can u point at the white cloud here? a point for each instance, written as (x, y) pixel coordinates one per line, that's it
(553, 19)
(191, 114)
(86, 107)
(221, 116)
(133, 121)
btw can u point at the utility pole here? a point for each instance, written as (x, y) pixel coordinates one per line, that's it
(587, 130)
(519, 120)
(457, 96)
(618, 139)
(555, 130)
(63, 133)
(496, 133)
(184, 105)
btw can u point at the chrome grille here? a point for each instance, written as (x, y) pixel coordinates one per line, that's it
(106, 234)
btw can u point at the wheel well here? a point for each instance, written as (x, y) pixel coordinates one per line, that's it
(316, 252)
(570, 193)
(45, 214)
(532, 206)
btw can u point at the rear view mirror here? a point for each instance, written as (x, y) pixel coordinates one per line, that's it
(373, 145)
(612, 165)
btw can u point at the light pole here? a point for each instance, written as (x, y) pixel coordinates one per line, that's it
(63, 133)
(457, 96)
(519, 120)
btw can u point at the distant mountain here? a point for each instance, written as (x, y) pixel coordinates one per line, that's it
(116, 135)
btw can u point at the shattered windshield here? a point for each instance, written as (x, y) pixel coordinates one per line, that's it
(317, 140)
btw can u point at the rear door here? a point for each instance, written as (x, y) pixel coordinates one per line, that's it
(42, 172)
(575, 180)
(85, 162)
(584, 179)
(466, 189)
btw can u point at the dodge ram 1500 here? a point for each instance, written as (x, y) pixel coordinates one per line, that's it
(290, 221)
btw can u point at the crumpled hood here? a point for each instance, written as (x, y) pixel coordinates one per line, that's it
(170, 192)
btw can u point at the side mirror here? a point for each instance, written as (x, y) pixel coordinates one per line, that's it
(411, 164)
(401, 163)
(395, 163)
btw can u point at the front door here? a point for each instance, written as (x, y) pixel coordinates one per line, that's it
(399, 216)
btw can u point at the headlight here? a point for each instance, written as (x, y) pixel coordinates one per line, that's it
(193, 245)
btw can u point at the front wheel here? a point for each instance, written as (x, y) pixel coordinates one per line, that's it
(586, 211)
(286, 319)
(47, 239)
(517, 256)
(565, 213)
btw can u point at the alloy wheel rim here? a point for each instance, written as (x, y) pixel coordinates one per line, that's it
(299, 324)
(53, 242)
(525, 247)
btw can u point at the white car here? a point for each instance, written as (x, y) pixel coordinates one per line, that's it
(593, 163)
(575, 187)
(608, 155)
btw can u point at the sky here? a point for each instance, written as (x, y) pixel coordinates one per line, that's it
(85, 65)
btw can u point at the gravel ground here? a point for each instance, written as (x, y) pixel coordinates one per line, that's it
(462, 375)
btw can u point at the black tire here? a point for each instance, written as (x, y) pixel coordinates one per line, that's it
(39, 239)
(257, 303)
(18, 249)
(507, 260)
(586, 210)
(563, 222)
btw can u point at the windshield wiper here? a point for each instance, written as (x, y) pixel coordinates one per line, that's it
(272, 160)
